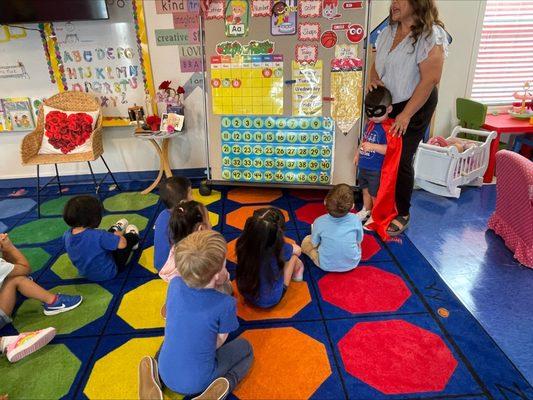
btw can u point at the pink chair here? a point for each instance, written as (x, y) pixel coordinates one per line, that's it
(513, 218)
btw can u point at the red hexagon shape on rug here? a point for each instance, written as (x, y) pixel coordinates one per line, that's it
(396, 357)
(365, 289)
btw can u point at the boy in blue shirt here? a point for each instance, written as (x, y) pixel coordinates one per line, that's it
(371, 153)
(193, 357)
(171, 192)
(97, 254)
(335, 241)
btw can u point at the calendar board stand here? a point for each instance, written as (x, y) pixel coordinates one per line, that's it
(218, 112)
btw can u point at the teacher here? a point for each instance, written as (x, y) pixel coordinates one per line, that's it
(410, 54)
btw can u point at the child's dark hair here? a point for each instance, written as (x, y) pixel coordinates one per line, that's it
(380, 96)
(261, 240)
(185, 219)
(339, 200)
(83, 211)
(173, 190)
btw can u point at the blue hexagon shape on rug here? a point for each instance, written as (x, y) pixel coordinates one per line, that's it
(12, 207)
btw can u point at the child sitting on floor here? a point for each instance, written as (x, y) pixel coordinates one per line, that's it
(193, 357)
(335, 241)
(171, 192)
(14, 271)
(98, 255)
(265, 262)
(370, 155)
(188, 217)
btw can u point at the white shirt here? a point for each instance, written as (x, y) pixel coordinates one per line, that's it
(5, 270)
(398, 69)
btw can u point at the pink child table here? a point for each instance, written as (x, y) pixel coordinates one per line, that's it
(502, 123)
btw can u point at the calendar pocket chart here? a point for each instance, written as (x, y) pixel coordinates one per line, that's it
(247, 84)
(295, 150)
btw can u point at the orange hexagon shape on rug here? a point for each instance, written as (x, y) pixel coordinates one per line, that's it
(294, 300)
(253, 195)
(288, 365)
(238, 217)
(231, 255)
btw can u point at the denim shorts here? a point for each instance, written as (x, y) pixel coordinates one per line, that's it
(4, 319)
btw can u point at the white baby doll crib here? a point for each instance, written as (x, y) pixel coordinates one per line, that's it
(441, 170)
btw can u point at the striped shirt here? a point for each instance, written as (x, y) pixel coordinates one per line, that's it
(398, 69)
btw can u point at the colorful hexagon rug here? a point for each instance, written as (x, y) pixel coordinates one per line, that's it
(389, 329)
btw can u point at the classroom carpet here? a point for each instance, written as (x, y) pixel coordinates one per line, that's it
(390, 329)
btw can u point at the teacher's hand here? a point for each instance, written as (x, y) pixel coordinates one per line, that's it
(373, 84)
(400, 124)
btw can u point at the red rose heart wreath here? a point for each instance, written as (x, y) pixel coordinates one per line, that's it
(67, 132)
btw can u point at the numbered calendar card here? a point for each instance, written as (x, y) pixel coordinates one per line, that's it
(277, 149)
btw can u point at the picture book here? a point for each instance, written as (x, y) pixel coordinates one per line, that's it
(171, 122)
(19, 113)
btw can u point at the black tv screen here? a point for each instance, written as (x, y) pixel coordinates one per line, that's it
(27, 11)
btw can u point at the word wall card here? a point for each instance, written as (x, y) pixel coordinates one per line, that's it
(278, 149)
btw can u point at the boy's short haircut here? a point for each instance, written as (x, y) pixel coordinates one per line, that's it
(200, 256)
(173, 190)
(339, 200)
(380, 96)
(83, 211)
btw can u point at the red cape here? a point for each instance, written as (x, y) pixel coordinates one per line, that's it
(384, 210)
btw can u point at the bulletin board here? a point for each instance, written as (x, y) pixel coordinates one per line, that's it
(108, 59)
(283, 91)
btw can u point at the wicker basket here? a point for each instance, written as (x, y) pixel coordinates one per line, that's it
(65, 101)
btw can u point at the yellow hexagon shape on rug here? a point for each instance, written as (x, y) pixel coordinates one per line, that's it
(147, 259)
(116, 375)
(288, 365)
(213, 218)
(206, 200)
(152, 295)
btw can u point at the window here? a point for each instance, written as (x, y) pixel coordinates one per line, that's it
(505, 56)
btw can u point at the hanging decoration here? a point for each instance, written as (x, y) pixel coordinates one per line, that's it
(347, 91)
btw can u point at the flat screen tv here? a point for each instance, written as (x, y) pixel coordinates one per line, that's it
(28, 11)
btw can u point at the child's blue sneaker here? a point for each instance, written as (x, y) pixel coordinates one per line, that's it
(62, 304)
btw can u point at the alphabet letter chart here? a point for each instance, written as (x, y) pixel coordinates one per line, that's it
(278, 149)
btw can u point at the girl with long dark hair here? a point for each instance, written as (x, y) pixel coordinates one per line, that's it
(265, 262)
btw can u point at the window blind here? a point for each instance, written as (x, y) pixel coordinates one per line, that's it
(505, 55)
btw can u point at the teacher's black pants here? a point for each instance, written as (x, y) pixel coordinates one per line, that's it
(410, 141)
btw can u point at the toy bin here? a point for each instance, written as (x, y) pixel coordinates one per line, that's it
(441, 170)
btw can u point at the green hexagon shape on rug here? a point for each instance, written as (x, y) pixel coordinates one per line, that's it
(133, 201)
(96, 299)
(55, 206)
(40, 231)
(47, 374)
(37, 257)
(135, 219)
(64, 268)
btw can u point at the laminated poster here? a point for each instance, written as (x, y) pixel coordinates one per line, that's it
(307, 89)
(237, 18)
(277, 149)
(283, 20)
